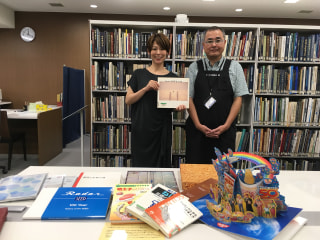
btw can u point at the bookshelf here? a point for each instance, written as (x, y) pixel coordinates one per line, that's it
(268, 58)
(287, 96)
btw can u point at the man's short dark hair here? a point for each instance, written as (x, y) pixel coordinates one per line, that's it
(215, 28)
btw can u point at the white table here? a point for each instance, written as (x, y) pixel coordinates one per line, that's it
(3, 103)
(43, 131)
(301, 189)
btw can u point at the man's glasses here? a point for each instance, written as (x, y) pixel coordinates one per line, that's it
(216, 41)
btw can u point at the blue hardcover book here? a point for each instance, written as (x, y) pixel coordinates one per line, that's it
(71, 203)
(260, 228)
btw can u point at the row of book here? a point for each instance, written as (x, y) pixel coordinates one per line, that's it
(242, 141)
(178, 140)
(118, 43)
(290, 46)
(286, 142)
(182, 68)
(111, 138)
(177, 160)
(289, 80)
(274, 46)
(111, 161)
(180, 116)
(287, 164)
(287, 112)
(122, 43)
(99, 160)
(109, 76)
(111, 108)
(300, 165)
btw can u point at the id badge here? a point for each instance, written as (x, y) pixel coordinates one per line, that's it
(209, 103)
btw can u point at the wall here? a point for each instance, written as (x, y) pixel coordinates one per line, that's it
(33, 71)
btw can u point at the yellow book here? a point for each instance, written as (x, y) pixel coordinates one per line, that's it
(124, 195)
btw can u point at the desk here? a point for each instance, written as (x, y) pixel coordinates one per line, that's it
(301, 189)
(43, 131)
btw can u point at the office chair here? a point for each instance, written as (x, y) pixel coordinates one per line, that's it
(6, 136)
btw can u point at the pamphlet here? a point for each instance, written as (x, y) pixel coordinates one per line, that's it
(173, 92)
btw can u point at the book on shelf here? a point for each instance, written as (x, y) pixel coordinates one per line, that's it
(172, 92)
(150, 198)
(192, 174)
(123, 196)
(71, 203)
(173, 214)
(269, 228)
(21, 187)
(179, 140)
(239, 139)
(98, 179)
(166, 178)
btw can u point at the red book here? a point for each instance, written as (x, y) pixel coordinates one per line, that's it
(3, 216)
(173, 214)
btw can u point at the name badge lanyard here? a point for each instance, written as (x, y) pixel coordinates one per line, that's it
(214, 75)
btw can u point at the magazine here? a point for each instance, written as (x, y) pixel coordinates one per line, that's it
(21, 187)
(173, 92)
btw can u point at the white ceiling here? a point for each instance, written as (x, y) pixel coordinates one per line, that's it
(217, 8)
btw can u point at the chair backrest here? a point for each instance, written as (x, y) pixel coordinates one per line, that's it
(4, 126)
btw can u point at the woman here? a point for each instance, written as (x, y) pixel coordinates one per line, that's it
(151, 132)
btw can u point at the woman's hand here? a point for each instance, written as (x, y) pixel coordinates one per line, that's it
(152, 85)
(181, 108)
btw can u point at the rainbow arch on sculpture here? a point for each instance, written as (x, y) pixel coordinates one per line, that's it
(250, 157)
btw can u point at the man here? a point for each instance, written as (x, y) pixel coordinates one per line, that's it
(216, 89)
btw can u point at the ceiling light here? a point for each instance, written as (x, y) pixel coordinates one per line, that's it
(239, 10)
(291, 1)
(208, 0)
(166, 8)
(93, 6)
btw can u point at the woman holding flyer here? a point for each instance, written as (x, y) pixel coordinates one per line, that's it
(151, 132)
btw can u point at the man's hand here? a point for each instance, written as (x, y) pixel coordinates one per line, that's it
(215, 133)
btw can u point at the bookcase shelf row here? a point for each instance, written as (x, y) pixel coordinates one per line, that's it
(291, 79)
(286, 142)
(111, 161)
(305, 111)
(112, 122)
(113, 152)
(288, 94)
(289, 46)
(122, 42)
(284, 125)
(287, 62)
(111, 108)
(281, 67)
(293, 156)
